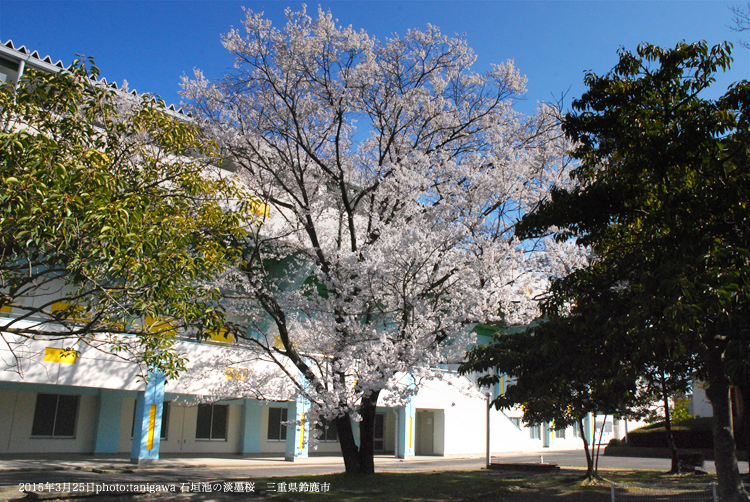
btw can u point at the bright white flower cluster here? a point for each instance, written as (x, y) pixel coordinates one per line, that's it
(394, 176)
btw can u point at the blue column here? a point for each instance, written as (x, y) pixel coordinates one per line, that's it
(108, 421)
(147, 427)
(297, 433)
(407, 430)
(252, 413)
(589, 423)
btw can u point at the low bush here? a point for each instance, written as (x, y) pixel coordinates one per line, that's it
(690, 462)
(690, 433)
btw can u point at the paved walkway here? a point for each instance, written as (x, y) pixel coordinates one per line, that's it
(566, 457)
(93, 462)
(187, 473)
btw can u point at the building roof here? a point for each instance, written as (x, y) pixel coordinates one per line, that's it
(34, 60)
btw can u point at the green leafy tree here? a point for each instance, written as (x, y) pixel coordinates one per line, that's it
(112, 220)
(662, 195)
(560, 371)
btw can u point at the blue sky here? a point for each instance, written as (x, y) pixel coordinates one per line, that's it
(152, 43)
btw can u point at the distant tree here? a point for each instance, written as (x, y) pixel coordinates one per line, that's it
(394, 175)
(741, 21)
(662, 201)
(562, 370)
(112, 220)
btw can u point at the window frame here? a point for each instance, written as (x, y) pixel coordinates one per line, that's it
(535, 432)
(55, 416)
(328, 432)
(213, 423)
(277, 425)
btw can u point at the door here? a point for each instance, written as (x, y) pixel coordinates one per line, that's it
(379, 440)
(425, 433)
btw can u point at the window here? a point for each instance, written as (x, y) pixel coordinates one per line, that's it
(8, 71)
(560, 433)
(516, 421)
(576, 430)
(276, 425)
(328, 430)
(212, 422)
(535, 432)
(55, 416)
(607, 426)
(164, 420)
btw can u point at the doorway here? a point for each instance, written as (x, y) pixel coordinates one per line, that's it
(425, 444)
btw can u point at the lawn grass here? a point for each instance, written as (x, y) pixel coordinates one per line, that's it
(475, 486)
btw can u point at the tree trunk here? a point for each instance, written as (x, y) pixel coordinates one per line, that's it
(349, 449)
(668, 425)
(599, 445)
(589, 455)
(727, 472)
(359, 460)
(742, 424)
(367, 433)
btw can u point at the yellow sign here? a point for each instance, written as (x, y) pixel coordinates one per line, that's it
(159, 325)
(260, 209)
(302, 431)
(222, 335)
(151, 427)
(5, 309)
(237, 373)
(73, 312)
(67, 356)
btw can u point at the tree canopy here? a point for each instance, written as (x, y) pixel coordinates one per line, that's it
(394, 174)
(112, 219)
(661, 199)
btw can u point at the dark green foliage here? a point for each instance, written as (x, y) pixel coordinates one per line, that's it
(662, 200)
(690, 433)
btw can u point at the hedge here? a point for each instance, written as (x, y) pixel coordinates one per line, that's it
(690, 433)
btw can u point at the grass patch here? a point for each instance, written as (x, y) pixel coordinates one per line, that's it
(472, 486)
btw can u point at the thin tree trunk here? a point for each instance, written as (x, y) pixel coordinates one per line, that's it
(744, 413)
(727, 472)
(589, 458)
(668, 425)
(599, 445)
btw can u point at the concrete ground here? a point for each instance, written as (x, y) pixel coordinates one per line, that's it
(566, 457)
(90, 474)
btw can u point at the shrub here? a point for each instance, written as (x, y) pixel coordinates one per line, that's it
(690, 462)
(690, 433)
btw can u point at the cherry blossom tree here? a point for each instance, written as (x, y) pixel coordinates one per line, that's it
(392, 176)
